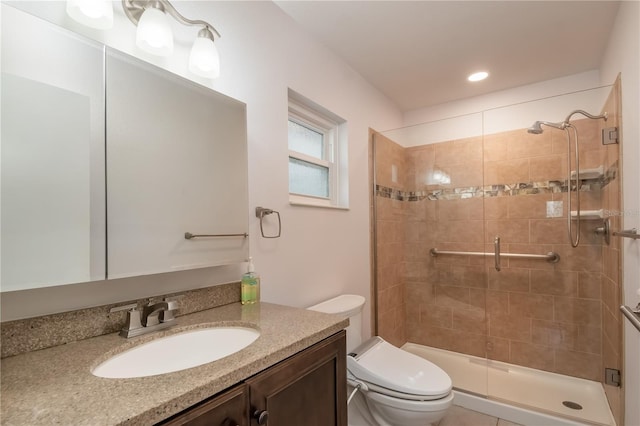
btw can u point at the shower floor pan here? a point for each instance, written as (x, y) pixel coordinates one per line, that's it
(512, 386)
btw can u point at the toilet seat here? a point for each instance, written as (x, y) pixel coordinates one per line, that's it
(412, 405)
(390, 393)
(391, 371)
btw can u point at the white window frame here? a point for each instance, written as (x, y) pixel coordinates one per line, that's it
(333, 131)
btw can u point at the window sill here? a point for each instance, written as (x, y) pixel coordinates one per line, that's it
(297, 200)
(296, 203)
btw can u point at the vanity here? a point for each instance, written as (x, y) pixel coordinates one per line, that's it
(289, 375)
(303, 389)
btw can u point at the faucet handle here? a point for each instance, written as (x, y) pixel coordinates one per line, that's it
(133, 318)
(133, 322)
(172, 303)
(173, 298)
(123, 308)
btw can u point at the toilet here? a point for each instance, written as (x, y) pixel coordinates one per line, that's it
(387, 386)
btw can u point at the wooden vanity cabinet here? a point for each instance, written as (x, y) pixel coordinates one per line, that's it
(226, 409)
(308, 389)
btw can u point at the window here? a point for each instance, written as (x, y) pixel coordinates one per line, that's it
(317, 155)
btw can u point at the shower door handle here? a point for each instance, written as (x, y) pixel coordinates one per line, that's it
(496, 246)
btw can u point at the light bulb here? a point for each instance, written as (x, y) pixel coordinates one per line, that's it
(204, 59)
(478, 76)
(92, 13)
(154, 33)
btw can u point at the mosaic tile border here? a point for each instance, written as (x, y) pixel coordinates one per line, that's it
(502, 190)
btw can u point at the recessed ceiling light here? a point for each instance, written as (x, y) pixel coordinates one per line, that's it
(477, 76)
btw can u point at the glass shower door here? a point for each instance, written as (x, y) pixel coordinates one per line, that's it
(547, 321)
(428, 218)
(542, 319)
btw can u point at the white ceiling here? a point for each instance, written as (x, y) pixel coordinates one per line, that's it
(419, 53)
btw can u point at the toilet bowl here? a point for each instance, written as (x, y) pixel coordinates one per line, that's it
(387, 386)
(399, 388)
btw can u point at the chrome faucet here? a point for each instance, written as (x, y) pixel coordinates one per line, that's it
(153, 317)
(151, 313)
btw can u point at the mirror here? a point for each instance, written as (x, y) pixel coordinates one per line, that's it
(52, 170)
(175, 162)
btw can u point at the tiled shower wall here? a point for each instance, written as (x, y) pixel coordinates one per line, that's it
(391, 214)
(458, 195)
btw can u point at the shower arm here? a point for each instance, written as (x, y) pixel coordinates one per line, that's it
(604, 116)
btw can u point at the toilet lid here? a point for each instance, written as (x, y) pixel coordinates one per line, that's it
(387, 366)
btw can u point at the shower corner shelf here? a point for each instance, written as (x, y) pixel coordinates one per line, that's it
(594, 173)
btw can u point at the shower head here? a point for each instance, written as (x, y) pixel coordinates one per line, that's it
(536, 129)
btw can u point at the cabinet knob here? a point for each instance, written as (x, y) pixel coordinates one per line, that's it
(262, 416)
(229, 422)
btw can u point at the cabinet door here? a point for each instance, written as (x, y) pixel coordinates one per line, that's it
(227, 409)
(176, 163)
(52, 193)
(307, 389)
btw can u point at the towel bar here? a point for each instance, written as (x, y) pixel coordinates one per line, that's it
(633, 317)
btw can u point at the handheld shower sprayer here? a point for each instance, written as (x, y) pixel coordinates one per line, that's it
(536, 129)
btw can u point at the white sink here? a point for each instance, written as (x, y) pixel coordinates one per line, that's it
(177, 352)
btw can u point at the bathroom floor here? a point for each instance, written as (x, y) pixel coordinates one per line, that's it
(459, 416)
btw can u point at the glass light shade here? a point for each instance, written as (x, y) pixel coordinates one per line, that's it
(204, 59)
(92, 13)
(154, 33)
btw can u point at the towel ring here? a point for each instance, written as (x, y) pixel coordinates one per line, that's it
(261, 212)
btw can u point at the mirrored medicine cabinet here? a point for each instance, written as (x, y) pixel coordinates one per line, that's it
(107, 162)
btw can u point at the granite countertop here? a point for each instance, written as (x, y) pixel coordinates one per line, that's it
(55, 385)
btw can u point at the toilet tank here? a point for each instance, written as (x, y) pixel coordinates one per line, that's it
(348, 306)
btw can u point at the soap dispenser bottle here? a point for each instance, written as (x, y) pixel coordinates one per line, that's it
(250, 286)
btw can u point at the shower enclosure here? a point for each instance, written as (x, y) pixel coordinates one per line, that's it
(472, 259)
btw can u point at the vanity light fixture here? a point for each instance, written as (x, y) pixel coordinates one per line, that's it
(92, 13)
(157, 38)
(478, 76)
(154, 34)
(204, 59)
